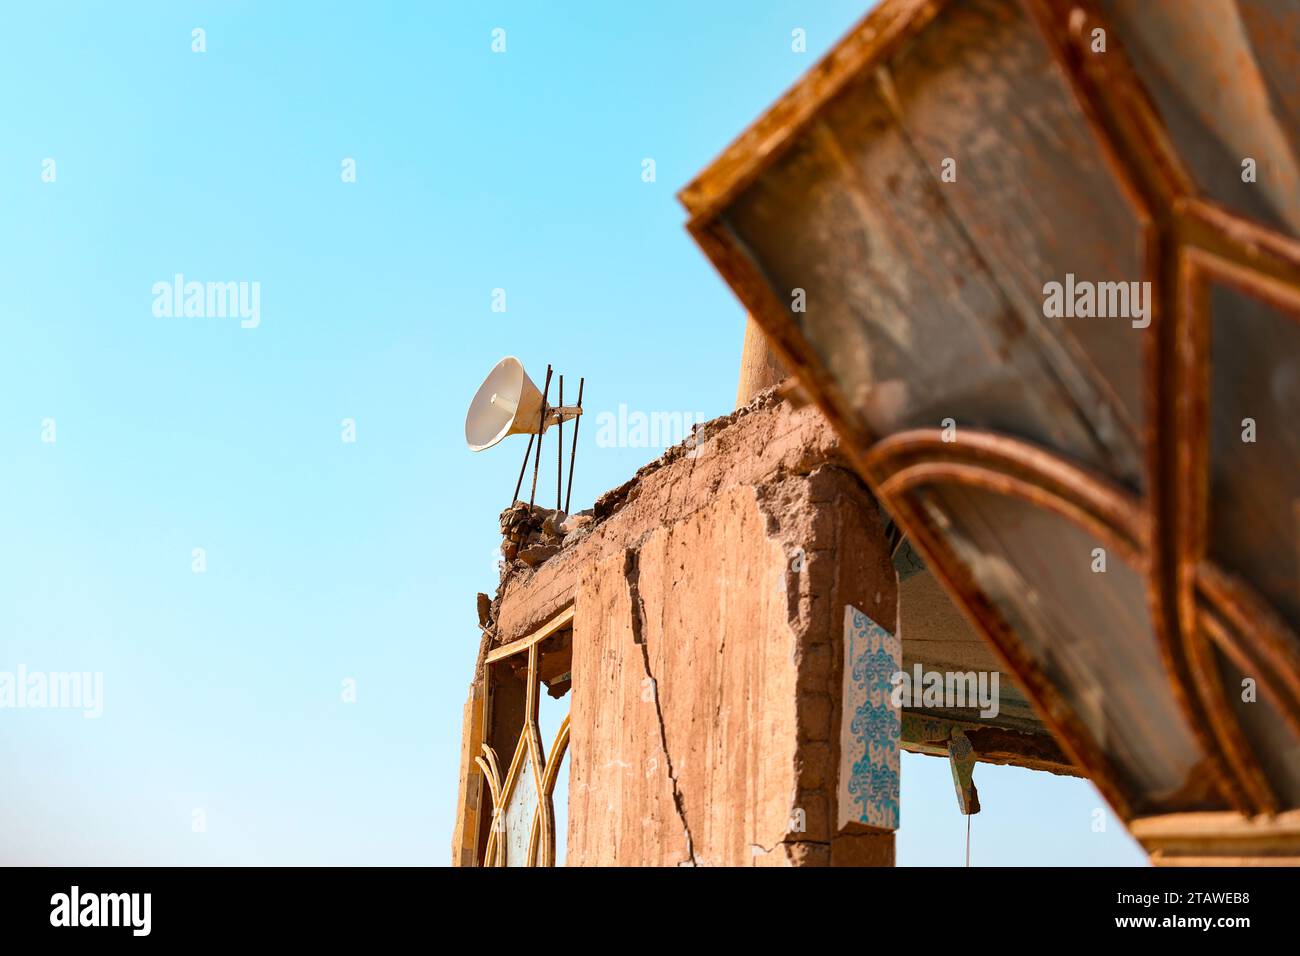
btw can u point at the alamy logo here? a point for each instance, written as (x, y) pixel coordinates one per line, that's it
(1103, 300)
(938, 689)
(55, 690)
(208, 300)
(639, 430)
(102, 909)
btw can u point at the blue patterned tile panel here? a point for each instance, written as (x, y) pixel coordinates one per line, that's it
(870, 725)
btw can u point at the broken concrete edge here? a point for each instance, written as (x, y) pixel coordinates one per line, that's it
(826, 524)
(812, 445)
(611, 501)
(928, 733)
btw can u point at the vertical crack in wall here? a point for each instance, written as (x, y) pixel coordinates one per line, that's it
(632, 571)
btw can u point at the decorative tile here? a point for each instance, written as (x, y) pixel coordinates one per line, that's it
(870, 725)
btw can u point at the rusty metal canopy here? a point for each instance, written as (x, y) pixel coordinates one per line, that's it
(895, 223)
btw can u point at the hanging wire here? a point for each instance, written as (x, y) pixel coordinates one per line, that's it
(968, 839)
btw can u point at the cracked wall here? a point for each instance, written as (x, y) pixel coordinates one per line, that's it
(709, 594)
(700, 717)
(706, 670)
(708, 597)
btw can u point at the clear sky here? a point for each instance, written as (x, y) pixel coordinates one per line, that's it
(329, 560)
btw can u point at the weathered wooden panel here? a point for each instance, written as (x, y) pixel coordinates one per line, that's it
(1033, 192)
(924, 298)
(1254, 507)
(1088, 628)
(1226, 82)
(1220, 839)
(1277, 749)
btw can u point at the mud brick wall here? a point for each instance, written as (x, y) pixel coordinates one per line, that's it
(707, 649)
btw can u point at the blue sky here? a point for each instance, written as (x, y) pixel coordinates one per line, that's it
(329, 560)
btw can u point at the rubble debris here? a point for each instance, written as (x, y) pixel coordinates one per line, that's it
(575, 522)
(551, 523)
(535, 554)
(531, 536)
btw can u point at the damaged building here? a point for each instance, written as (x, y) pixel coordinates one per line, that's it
(930, 472)
(705, 608)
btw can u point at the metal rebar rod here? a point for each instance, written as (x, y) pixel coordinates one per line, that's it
(541, 428)
(528, 453)
(559, 449)
(573, 447)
